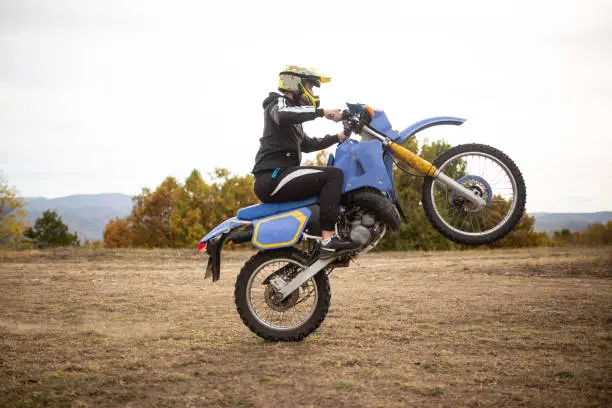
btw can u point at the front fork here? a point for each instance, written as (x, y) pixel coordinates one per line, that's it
(426, 168)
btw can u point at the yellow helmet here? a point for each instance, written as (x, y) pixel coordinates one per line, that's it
(299, 81)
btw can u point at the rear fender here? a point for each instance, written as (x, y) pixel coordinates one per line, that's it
(225, 227)
(215, 240)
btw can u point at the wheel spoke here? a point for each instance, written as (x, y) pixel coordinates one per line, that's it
(291, 312)
(487, 176)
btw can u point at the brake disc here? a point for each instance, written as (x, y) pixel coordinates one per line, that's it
(282, 305)
(478, 185)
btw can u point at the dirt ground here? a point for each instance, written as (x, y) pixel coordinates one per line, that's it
(472, 328)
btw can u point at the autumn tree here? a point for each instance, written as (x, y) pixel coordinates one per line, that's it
(597, 234)
(50, 230)
(203, 206)
(11, 214)
(187, 219)
(233, 193)
(151, 217)
(118, 234)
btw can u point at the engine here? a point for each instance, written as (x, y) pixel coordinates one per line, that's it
(362, 227)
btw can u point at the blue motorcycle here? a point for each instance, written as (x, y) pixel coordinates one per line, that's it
(472, 194)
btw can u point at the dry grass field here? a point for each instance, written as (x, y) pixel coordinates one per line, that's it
(474, 328)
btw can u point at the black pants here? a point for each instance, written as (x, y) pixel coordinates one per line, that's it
(299, 183)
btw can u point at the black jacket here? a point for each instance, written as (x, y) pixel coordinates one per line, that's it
(283, 138)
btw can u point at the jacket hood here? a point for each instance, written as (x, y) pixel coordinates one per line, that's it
(271, 98)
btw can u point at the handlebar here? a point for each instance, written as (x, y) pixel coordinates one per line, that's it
(353, 122)
(348, 128)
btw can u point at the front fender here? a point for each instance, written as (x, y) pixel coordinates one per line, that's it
(427, 123)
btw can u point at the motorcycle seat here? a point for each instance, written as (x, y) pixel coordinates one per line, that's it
(265, 209)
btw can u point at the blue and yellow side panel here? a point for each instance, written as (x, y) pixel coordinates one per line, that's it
(280, 230)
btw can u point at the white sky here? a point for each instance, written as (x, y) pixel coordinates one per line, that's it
(113, 96)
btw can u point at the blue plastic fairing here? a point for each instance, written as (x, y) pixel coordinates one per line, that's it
(362, 165)
(381, 123)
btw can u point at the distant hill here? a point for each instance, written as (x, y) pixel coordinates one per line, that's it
(87, 215)
(551, 222)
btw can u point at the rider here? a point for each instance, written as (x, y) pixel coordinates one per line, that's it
(278, 174)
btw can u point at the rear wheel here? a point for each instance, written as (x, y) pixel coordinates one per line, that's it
(291, 319)
(490, 174)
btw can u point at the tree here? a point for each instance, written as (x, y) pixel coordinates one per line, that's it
(565, 237)
(152, 214)
(49, 229)
(11, 214)
(117, 234)
(227, 194)
(597, 234)
(187, 215)
(234, 193)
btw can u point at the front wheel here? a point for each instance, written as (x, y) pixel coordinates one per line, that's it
(490, 174)
(291, 319)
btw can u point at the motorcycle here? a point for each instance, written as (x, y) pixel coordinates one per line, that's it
(472, 194)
